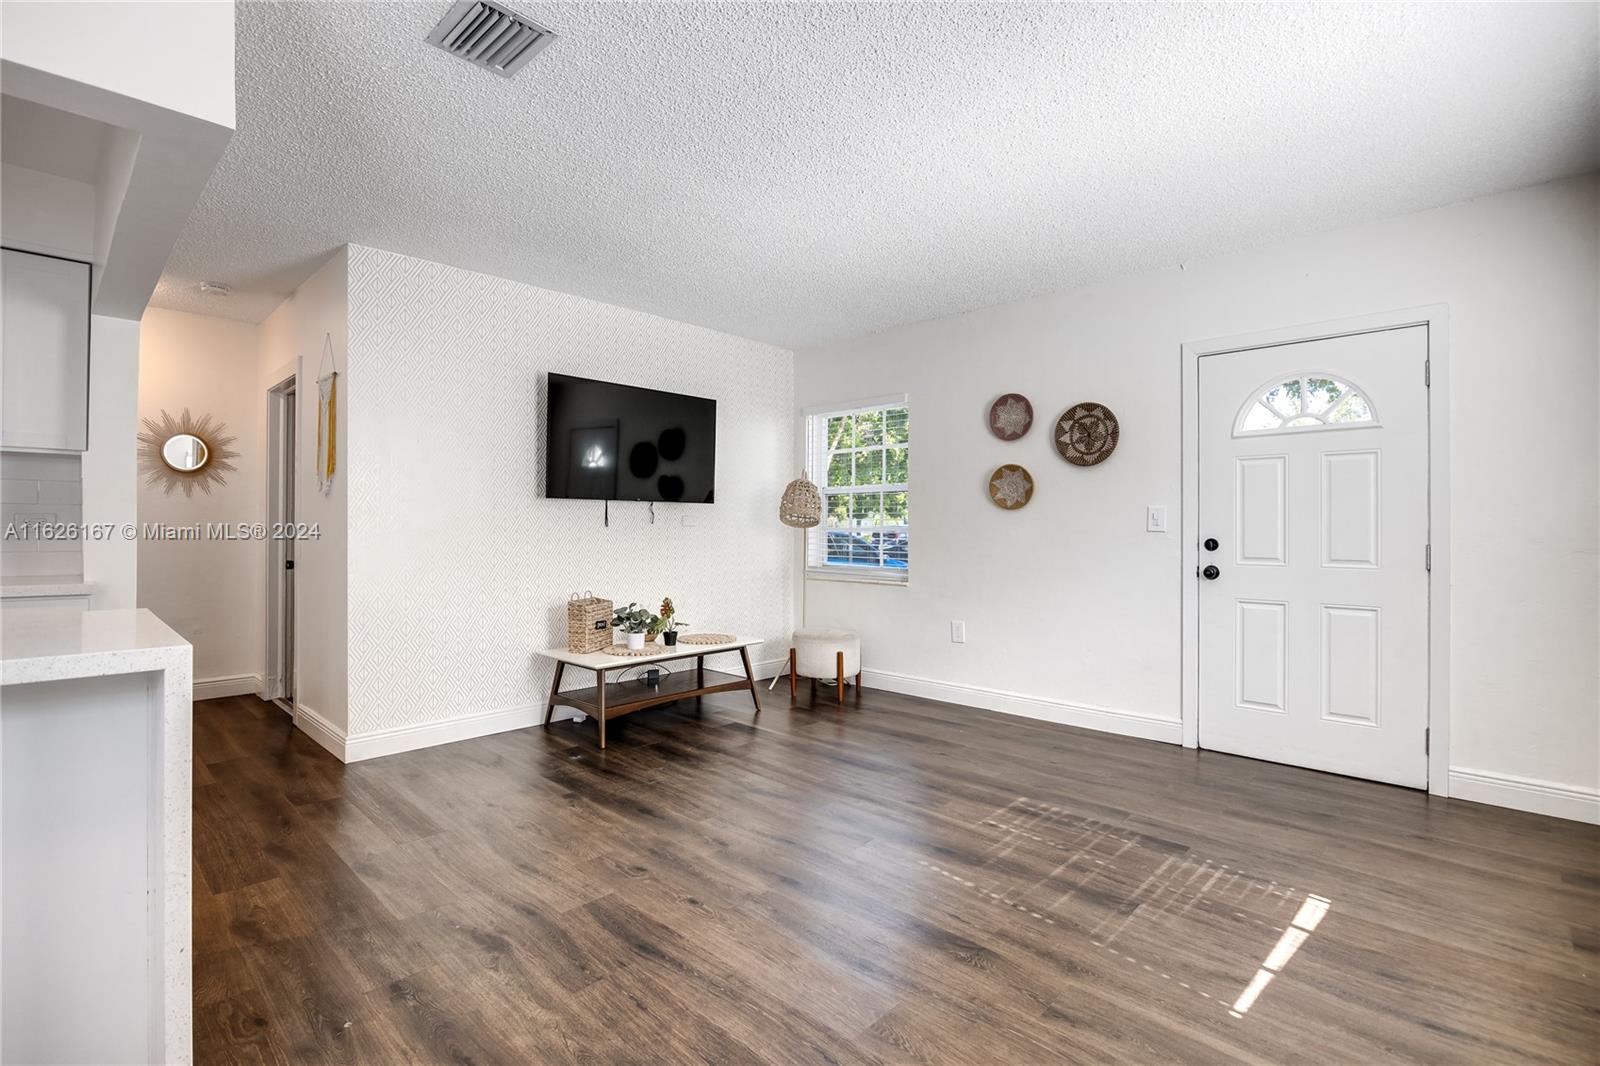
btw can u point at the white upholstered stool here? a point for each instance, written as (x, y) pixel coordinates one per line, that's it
(820, 652)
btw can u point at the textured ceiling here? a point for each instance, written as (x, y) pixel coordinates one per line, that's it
(799, 172)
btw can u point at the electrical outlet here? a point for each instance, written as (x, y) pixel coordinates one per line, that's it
(1155, 519)
(958, 632)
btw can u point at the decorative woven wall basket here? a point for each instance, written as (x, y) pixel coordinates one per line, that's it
(588, 623)
(1086, 434)
(1011, 487)
(1010, 416)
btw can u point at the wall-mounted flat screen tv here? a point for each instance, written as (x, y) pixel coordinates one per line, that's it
(605, 441)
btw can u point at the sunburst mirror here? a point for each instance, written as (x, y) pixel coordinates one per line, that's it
(186, 452)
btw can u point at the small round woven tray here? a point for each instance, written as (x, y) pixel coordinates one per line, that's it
(623, 649)
(707, 638)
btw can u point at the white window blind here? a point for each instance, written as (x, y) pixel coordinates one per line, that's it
(860, 457)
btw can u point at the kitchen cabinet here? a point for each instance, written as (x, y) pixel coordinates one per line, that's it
(44, 362)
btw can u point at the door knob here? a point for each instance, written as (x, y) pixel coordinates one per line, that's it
(1211, 544)
(1211, 573)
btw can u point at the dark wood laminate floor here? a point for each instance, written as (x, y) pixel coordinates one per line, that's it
(900, 882)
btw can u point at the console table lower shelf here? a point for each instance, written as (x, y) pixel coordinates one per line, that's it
(608, 700)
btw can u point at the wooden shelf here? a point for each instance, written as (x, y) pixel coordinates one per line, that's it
(625, 697)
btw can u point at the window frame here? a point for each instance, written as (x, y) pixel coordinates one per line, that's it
(1257, 397)
(818, 460)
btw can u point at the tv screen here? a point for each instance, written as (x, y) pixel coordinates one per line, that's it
(616, 442)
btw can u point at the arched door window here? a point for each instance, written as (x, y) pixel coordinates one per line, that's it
(1310, 400)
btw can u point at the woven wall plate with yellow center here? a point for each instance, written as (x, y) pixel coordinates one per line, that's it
(1086, 434)
(1011, 487)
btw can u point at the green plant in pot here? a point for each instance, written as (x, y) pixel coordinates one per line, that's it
(669, 623)
(635, 623)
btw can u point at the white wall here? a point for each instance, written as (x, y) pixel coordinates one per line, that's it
(1520, 273)
(47, 213)
(178, 56)
(459, 567)
(110, 466)
(291, 342)
(211, 590)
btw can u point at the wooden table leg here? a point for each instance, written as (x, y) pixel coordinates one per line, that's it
(750, 677)
(600, 701)
(839, 673)
(700, 672)
(858, 688)
(791, 676)
(555, 687)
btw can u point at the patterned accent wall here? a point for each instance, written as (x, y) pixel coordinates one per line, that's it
(459, 568)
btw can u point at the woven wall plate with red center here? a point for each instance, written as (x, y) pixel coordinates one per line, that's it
(1086, 434)
(1010, 416)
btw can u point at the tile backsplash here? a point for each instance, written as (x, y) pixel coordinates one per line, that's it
(40, 490)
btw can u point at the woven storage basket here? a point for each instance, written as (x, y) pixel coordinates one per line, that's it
(801, 505)
(588, 623)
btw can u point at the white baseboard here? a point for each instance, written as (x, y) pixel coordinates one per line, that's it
(319, 729)
(211, 688)
(1526, 794)
(396, 739)
(374, 744)
(1104, 719)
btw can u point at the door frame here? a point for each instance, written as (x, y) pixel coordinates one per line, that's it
(1435, 317)
(283, 424)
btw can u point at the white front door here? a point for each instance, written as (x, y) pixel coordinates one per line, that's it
(1314, 527)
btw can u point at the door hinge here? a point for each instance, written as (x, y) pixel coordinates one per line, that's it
(1427, 741)
(1427, 557)
(1427, 373)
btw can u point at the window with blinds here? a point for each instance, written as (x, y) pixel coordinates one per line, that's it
(860, 457)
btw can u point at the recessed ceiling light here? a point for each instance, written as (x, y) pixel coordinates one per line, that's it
(214, 288)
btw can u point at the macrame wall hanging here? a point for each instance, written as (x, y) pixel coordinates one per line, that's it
(327, 416)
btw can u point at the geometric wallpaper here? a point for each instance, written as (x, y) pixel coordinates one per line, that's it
(459, 567)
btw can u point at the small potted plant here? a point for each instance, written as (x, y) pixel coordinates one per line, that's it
(634, 622)
(669, 623)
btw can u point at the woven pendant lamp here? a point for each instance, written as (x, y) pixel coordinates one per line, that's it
(801, 505)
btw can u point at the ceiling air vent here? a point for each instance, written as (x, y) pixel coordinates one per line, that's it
(490, 36)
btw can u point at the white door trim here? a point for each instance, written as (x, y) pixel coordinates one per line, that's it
(279, 679)
(1436, 318)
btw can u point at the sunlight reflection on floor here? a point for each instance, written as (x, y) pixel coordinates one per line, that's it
(1093, 855)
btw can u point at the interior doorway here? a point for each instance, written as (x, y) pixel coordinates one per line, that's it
(281, 451)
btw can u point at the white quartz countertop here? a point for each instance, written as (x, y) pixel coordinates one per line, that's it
(45, 585)
(52, 643)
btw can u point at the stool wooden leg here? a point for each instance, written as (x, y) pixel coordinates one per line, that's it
(839, 673)
(858, 687)
(792, 685)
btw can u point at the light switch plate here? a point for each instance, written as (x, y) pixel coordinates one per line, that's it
(958, 632)
(1155, 519)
